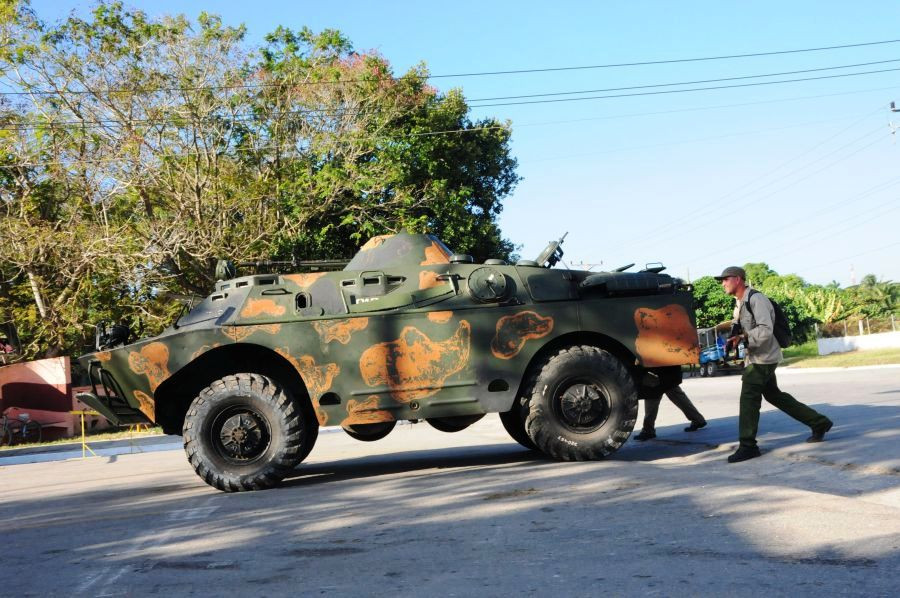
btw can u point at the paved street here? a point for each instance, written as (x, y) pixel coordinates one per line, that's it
(423, 513)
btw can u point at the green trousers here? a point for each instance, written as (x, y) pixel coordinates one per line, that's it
(759, 381)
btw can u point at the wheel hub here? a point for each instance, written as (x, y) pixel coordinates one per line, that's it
(583, 406)
(242, 435)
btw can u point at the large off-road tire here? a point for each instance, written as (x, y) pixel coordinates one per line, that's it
(582, 406)
(514, 423)
(246, 432)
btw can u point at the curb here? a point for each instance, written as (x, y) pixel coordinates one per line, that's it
(791, 369)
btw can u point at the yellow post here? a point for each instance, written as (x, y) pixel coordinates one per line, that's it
(84, 445)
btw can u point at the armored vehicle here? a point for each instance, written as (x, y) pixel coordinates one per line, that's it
(406, 331)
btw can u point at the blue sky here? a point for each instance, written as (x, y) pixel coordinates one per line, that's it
(803, 176)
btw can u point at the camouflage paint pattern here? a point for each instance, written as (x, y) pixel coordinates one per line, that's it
(415, 366)
(398, 335)
(514, 331)
(666, 336)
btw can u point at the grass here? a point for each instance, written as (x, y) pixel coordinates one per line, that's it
(110, 434)
(844, 360)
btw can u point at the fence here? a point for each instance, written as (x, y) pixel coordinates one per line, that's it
(858, 335)
(858, 326)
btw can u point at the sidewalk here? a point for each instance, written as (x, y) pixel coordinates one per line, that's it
(72, 450)
(101, 448)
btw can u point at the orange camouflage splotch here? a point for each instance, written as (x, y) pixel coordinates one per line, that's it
(428, 279)
(375, 242)
(414, 366)
(318, 378)
(340, 330)
(665, 336)
(239, 333)
(262, 307)
(103, 356)
(366, 412)
(320, 413)
(435, 254)
(203, 350)
(440, 317)
(146, 404)
(153, 361)
(304, 280)
(513, 331)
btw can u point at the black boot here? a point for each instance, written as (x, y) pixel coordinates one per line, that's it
(645, 435)
(743, 453)
(818, 434)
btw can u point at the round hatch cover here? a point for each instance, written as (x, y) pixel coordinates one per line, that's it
(487, 285)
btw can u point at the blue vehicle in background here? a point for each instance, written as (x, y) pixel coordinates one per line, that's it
(713, 356)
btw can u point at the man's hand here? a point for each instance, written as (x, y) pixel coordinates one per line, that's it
(733, 342)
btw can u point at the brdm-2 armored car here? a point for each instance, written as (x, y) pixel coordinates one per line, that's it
(406, 331)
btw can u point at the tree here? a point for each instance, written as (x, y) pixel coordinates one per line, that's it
(711, 304)
(144, 149)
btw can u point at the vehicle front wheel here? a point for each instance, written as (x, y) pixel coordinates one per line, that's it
(246, 432)
(583, 404)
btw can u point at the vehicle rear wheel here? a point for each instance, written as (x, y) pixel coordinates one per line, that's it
(369, 432)
(711, 369)
(453, 424)
(703, 370)
(583, 404)
(246, 432)
(514, 423)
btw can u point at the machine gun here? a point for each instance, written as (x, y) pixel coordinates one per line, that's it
(226, 269)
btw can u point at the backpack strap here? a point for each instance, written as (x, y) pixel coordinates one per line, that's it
(750, 293)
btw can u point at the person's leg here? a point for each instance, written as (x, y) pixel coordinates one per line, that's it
(753, 381)
(680, 399)
(787, 403)
(651, 409)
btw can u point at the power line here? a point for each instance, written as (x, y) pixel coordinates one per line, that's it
(32, 125)
(713, 107)
(738, 78)
(671, 61)
(224, 147)
(144, 90)
(695, 89)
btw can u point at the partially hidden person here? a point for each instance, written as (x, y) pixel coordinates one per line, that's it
(671, 387)
(762, 354)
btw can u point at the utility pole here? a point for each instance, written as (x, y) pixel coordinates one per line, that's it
(891, 123)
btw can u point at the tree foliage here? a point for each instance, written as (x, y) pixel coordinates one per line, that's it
(141, 150)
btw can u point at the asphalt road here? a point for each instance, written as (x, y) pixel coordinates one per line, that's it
(423, 513)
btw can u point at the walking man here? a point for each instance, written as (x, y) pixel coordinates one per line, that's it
(763, 354)
(672, 389)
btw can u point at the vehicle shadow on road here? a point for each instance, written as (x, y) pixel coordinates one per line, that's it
(423, 460)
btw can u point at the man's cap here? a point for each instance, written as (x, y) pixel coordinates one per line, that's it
(732, 271)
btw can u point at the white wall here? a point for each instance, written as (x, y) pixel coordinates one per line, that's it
(843, 344)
